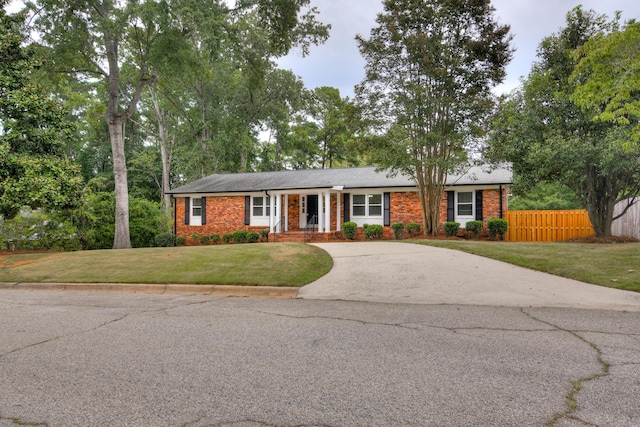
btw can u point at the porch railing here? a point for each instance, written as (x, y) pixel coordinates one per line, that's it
(310, 231)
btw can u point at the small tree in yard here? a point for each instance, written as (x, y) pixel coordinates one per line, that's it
(430, 67)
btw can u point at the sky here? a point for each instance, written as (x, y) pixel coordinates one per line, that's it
(338, 63)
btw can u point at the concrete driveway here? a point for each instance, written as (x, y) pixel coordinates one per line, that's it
(395, 272)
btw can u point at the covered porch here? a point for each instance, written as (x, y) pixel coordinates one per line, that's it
(295, 211)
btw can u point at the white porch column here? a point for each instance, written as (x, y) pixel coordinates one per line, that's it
(276, 215)
(272, 212)
(286, 212)
(338, 220)
(320, 215)
(327, 212)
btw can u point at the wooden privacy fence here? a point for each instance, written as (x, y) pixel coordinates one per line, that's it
(547, 226)
(629, 224)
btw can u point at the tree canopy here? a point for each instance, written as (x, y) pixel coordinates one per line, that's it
(127, 46)
(430, 67)
(34, 130)
(549, 137)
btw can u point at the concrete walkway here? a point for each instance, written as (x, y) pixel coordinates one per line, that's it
(397, 272)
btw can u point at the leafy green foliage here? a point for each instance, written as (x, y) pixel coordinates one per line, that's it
(373, 231)
(34, 130)
(349, 230)
(544, 196)
(497, 227)
(473, 228)
(34, 230)
(413, 228)
(550, 138)
(240, 236)
(146, 221)
(451, 228)
(608, 75)
(252, 237)
(165, 240)
(430, 67)
(398, 230)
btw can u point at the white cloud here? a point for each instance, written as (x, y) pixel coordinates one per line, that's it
(338, 63)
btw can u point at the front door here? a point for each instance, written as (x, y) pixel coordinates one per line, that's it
(312, 210)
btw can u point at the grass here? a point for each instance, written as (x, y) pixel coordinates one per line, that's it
(277, 264)
(615, 265)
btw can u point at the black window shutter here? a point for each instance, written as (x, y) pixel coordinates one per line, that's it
(387, 209)
(187, 208)
(247, 210)
(451, 205)
(478, 205)
(204, 210)
(346, 209)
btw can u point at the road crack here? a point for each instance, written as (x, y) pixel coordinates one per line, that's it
(344, 319)
(576, 385)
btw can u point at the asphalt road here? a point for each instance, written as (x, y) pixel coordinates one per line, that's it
(107, 359)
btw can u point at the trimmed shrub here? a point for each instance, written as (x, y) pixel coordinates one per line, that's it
(204, 239)
(398, 230)
(349, 230)
(373, 231)
(227, 237)
(451, 228)
(264, 235)
(474, 228)
(195, 237)
(252, 237)
(497, 228)
(181, 241)
(215, 238)
(240, 236)
(166, 240)
(413, 228)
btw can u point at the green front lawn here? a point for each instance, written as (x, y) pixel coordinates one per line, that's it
(277, 264)
(615, 265)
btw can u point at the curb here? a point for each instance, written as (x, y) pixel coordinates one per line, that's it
(169, 289)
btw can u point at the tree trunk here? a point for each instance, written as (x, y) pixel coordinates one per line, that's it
(121, 239)
(164, 151)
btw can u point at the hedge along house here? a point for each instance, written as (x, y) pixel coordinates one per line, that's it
(303, 204)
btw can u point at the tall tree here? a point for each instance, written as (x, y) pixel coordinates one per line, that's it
(430, 67)
(34, 131)
(548, 137)
(123, 43)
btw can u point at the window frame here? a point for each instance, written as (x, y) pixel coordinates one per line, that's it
(367, 205)
(470, 204)
(265, 207)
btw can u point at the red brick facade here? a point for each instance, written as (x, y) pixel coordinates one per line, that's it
(226, 214)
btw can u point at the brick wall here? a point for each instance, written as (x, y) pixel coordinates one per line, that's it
(225, 214)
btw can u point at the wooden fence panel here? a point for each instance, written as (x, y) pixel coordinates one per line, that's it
(547, 225)
(629, 224)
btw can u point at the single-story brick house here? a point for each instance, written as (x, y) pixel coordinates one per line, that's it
(289, 202)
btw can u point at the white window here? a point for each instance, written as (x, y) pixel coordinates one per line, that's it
(261, 206)
(464, 206)
(366, 205)
(196, 207)
(196, 211)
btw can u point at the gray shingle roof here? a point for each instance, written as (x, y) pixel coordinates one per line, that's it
(365, 177)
